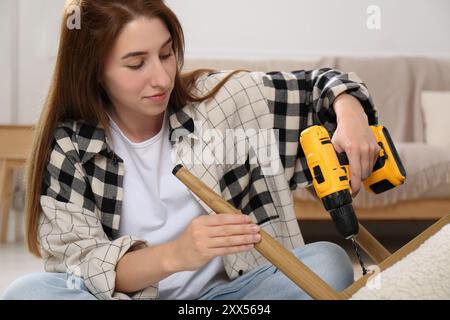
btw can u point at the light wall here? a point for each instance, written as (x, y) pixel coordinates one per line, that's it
(296, 28)
(29, 32)
(6, 61)
(37, 41)
(253, 29)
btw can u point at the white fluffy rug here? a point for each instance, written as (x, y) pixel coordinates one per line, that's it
(422, 274)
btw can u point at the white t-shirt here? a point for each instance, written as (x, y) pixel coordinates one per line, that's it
(158, 207)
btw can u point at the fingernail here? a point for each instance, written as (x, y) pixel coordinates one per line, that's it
(255, 228)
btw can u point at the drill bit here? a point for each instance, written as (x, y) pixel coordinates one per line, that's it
(358, 255)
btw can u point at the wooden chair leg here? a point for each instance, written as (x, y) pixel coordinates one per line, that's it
(2, 197)
(19, 216)
(5, 198)
(371, 245)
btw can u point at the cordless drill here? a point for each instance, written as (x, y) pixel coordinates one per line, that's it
(331, 175)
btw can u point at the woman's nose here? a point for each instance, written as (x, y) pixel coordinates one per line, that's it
(159, 77)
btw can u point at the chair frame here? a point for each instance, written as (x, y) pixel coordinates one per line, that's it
(15, 146)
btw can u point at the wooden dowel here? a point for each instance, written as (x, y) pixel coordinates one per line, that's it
(271, 249)
(371, 245)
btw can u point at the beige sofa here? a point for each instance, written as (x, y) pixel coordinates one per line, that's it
(396, 84)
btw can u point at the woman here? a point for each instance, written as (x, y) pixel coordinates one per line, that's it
(104, 210)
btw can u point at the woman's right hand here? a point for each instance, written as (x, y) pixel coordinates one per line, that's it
(209, 236)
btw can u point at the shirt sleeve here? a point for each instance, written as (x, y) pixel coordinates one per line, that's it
(70, 233)
(300, 99)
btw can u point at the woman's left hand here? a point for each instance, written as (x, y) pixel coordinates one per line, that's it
(354, 137)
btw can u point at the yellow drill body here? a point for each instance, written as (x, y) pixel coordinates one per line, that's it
(331, 174)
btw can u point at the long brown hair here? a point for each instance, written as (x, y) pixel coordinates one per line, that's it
(75, 91)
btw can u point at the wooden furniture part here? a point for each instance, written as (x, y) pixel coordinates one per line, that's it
(294, 269)
(15, 146)
(271, 249)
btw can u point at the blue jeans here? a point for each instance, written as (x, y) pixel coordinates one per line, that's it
(266, 282)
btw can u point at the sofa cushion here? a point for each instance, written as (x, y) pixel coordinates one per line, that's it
(436, 112)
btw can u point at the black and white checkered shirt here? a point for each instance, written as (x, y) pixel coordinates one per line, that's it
(82, 192)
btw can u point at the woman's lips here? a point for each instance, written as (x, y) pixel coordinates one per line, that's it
(157, 97)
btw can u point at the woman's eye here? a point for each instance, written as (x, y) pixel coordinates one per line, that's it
(136, 67)
(166, 56)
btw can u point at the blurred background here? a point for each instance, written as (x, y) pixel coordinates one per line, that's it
(401, 49)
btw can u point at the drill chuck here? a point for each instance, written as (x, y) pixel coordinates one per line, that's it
(345, 220)
(339, 205)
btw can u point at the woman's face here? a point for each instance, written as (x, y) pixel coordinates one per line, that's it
(139, 73)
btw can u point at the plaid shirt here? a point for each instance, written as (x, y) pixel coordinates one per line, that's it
(82, 191)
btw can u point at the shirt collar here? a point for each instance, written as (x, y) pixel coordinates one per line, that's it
(92, 140)
(89, 140)
(181, 124)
